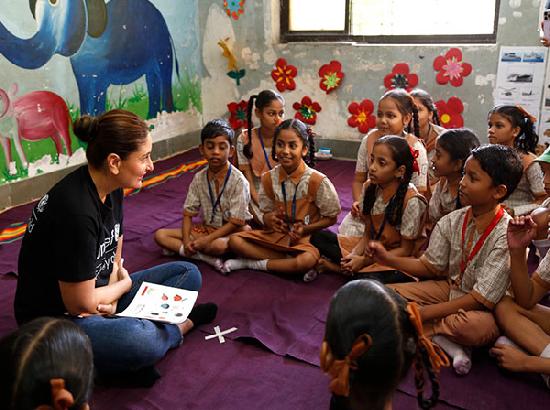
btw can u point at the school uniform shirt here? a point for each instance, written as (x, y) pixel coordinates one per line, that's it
(326, 198)
(413, 214)
(487, 276)
(234, 200)
(531, 183)
(419, 179)
(542, 274)
(442, 201)
(71, 237)
(258, 162)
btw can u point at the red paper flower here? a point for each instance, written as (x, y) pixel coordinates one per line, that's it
(451, 68)
(307, 110)
(284, 74)
(331, 76)
(400, 78)
(450, 112)
(361, 116)
(234, 8)
(237, 111)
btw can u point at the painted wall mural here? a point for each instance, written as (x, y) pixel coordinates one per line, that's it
(72, 57)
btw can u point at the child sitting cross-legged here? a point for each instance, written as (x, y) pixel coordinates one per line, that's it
(221, 192)
(466, 260)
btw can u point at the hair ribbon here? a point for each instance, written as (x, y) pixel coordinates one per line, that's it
(338, 370)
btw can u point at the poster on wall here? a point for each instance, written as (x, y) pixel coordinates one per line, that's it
(520, 77)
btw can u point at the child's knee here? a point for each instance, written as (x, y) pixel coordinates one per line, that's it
(305, 262)
(159, 236)
(235, 243)
(541, 216)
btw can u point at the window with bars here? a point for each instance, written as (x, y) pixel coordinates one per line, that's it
(390, 21)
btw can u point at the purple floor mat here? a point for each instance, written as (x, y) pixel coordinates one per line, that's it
(273, 315)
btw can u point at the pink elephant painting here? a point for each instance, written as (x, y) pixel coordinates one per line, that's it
(38, 115)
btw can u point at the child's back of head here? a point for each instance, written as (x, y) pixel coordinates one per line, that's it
(370, 343)
(46, 362)
(502, 164)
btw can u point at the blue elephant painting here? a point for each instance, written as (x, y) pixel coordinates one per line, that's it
(112, 43)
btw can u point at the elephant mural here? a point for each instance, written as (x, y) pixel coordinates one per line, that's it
(108, 44)
(39, 115)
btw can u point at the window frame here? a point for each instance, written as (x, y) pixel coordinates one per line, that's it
(345, 36)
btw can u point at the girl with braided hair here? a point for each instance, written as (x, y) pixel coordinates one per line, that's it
(428, 123)
(46, 364)
(392, 210)
(512, 126)
(254, 145)
(397, 115)
(372, 337)
(296, 201)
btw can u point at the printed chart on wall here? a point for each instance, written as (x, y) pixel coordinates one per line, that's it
(520, 77)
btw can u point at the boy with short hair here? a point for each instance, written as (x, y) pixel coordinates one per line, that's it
(221, 192)
(467, 258)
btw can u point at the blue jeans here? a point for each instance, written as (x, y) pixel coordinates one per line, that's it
(122, 344)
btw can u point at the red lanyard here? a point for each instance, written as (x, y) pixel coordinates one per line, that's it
(481, 240)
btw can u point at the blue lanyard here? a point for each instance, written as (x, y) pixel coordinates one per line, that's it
(263, 148)
(216, 203)
(290, 219)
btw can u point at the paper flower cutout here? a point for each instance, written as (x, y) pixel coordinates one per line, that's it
(451, 68)
(362, 116)
(284, 74)
(237, 111)
(450, 112)
(400, 78)
(307, 110)
(331, 76)
(234, 8)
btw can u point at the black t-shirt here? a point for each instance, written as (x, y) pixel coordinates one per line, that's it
(71, 237)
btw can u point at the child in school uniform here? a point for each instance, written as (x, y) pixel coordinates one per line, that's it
(428, 124)
(541, 215)
(514, 127)
(254, 145)
(221, 192)
(526, 323)
(393, 210)
(452, 149)
(372, 338)
(296, 201)
(466, 260)
(397, 115)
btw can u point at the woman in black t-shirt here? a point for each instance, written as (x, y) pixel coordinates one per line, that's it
(70, 261)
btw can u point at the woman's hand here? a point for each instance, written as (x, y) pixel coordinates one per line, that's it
(124, 276)
(521, 231)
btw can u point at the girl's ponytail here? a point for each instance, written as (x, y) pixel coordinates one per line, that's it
(528, 139)
(247, 148)
(310, 157)
(415, 124)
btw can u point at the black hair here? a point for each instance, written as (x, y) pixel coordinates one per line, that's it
(119, 132)
(428, 102)
(41, 350)
(304, 132)
(458, 143)
(405, 104)
(368, 307)
(527, 139)
(216, 128)
(402, 155)
(263, 99)
(502, 164)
